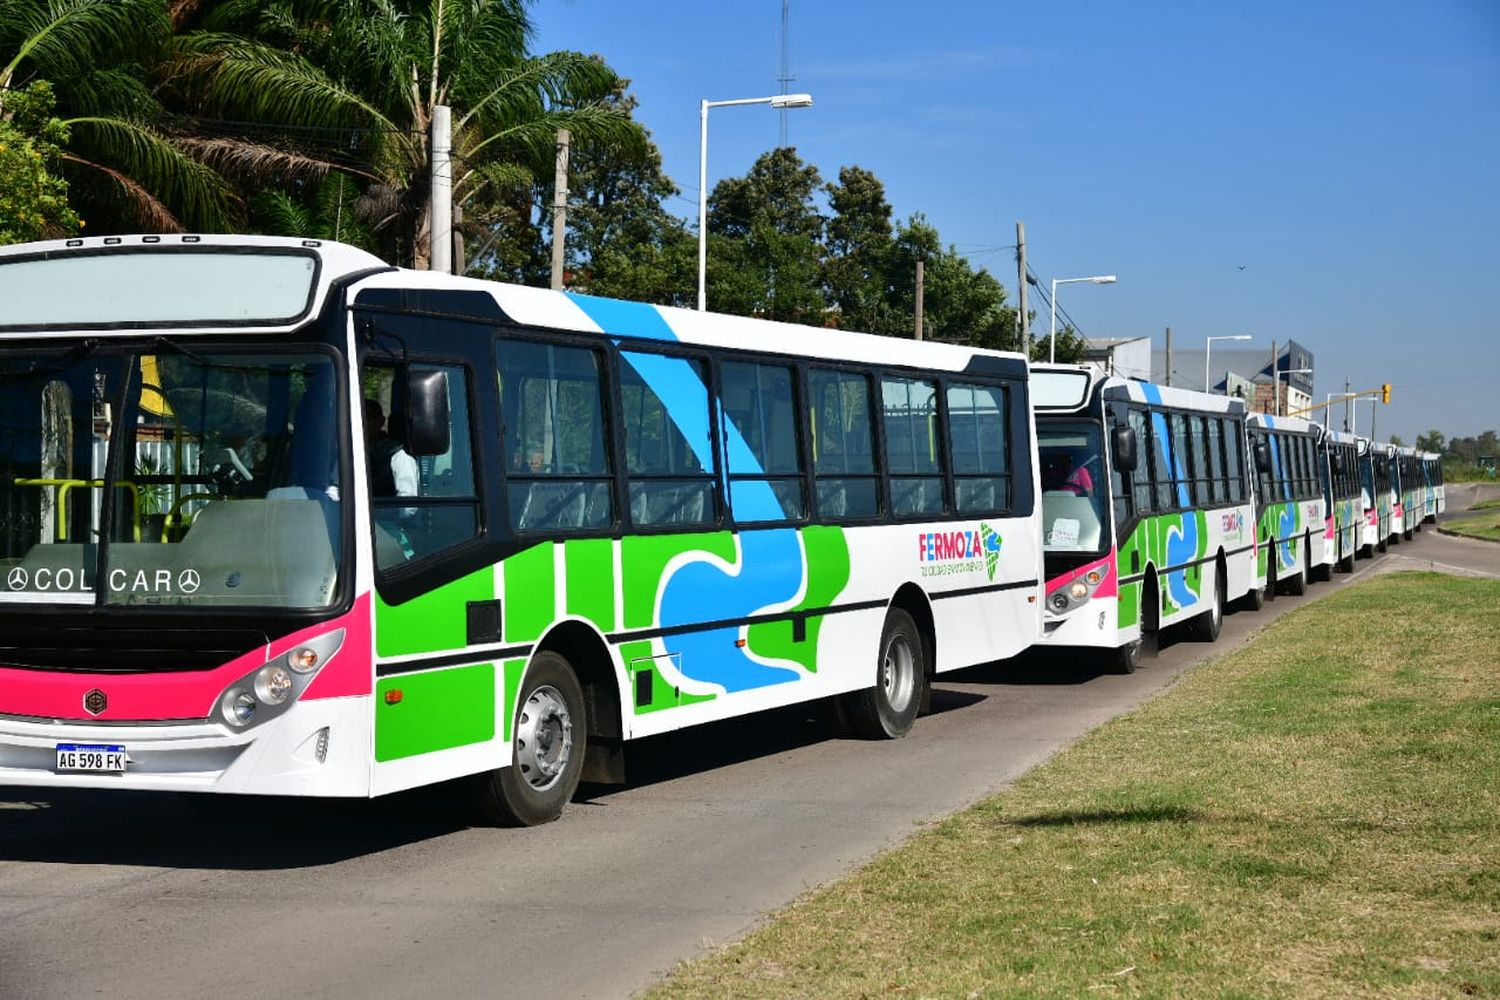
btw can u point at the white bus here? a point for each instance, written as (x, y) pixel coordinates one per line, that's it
(1291, 524)
(1343, 501)
(277, 518)
(1146, 510)
(1376, 496)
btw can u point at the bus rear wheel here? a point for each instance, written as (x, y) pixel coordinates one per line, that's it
(1346, 563)
(548, 743)
(888, 709)
(1207, 626)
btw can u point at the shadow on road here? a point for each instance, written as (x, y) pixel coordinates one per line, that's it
(238, 833)
(714, 745)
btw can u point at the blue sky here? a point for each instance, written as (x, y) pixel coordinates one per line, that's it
(1328, 172)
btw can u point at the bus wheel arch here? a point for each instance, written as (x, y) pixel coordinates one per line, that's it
(549, 740)
(1207, 625)
(588, 654)
(903, 665)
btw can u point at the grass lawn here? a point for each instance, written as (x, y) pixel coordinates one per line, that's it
(1483, 526)
(1487, 505)
(1316, 815)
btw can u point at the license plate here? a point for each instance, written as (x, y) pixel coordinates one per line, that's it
(109, 759)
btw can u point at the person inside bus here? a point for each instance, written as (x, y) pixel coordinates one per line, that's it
(393, 472)
(1061, 475)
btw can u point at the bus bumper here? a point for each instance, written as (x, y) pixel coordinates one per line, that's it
(317, 748)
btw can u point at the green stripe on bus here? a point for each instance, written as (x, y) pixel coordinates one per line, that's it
(590, 564)
(436, 711)
(827, 558)
(435, 621)
(530, 604)
(643, 560)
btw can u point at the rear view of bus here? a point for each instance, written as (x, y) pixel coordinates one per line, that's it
(1375, 492)
(1146, 510)
(175, 597)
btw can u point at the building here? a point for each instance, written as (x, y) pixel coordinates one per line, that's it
(1127, 357)
(1242, 372)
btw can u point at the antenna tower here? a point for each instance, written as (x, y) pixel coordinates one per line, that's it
(785, 77)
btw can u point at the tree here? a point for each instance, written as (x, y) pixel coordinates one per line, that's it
(123, 169)
(859, 248)
(622, 241)
(959, 305)
(1434, 441)
(358, 80)
(1396, 440)
(765, 241)
(33, 199)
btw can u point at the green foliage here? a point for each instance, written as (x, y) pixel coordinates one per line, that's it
(354, 82)
(124, 168)
(327, 210)
(33, 198)
(765, 241)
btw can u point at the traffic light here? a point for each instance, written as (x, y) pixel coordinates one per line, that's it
(1385, 392)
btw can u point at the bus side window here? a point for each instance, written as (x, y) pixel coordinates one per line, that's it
(1234, 438)
(1214, 444)
(759, 428)
(909, 418)
(557, 467)
(1143, 491)
(443, 508)
(843, 445)
(1161, 464)
(977, 448)
(668, 450)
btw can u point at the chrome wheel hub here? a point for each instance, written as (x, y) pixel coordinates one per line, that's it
(898, 674)
(544, 738)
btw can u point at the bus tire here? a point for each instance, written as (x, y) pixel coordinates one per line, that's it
(1207, 626)
(1346, 563)
(1297, 585)
(548, 742)
(1124, 659)
(887, 709)
(1254, 599)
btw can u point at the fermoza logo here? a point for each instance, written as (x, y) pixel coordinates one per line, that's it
(945, 552)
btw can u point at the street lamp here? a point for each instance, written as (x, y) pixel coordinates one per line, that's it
(1098, 279)
(1276, 386)
(779, 101)
(1208, 349)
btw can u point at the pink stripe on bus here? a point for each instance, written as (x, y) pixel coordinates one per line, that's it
(185, 695)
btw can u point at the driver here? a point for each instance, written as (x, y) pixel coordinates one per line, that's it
(393, 472)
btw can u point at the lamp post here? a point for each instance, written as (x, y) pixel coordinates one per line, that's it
(1208, 349)
(779, 101)
(1276, 385)
(1355, 428)
(1098, 279)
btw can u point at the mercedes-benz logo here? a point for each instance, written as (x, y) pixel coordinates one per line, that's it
(188, 581)
(17, 579)
(95, 702)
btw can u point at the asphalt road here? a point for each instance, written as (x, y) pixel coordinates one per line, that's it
(129, 895)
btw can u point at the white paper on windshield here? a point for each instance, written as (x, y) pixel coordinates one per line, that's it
(1064, 533)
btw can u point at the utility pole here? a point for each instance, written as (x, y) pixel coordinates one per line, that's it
(921, 280)
(440, 211)
(1023, 319)
(560, 208)
(1169, 355)
(1275, 383)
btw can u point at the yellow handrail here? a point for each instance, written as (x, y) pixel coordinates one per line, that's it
(64, 485)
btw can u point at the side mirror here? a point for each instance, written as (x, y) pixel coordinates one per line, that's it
(1122, 444)
(427, 420)
(1262, 457)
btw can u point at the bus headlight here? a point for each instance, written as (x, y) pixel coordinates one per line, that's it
(273, 684)
(273, 687)
(238, 707)
(1078, 590)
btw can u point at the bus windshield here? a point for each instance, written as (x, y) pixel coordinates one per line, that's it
(193, 477)
(1073, 486)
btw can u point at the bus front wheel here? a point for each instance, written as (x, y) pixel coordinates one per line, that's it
(1207, 626)
(548, 743)
(888, 709)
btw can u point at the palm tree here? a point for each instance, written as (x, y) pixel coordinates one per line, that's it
(124, 172)
(355, 82)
